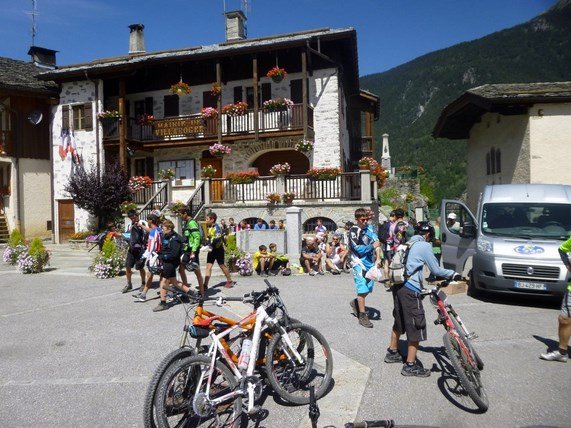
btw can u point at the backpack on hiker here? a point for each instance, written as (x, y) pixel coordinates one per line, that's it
(384, 232)
(397, 267)
(398, 234)
(137, 240)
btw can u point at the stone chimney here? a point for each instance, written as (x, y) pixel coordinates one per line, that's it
(43, 57)
(136, 39)
(235, 25)
(386, 155)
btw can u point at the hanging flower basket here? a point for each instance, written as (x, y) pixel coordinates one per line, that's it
(242, 177)
(277, 74)
(323, 174)
(219, 150)
(209, 112)
(139, 182)
(273, 198)
(288, 197)
(180, 88)
(238, 109)
(216, 89)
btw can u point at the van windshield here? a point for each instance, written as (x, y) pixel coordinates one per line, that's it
(527, 220)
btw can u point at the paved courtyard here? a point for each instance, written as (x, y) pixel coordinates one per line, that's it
(74, 351)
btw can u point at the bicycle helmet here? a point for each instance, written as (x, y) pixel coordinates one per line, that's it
(424, 227)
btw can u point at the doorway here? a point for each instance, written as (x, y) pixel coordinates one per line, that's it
(216, 189)
(66, 220)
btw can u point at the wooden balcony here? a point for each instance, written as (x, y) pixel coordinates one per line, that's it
(195, 128)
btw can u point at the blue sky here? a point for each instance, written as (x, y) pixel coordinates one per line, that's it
(390, 32)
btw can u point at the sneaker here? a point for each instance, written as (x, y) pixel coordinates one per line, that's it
(354, 307)
(127, 288)
(393, 357)
(161, 307)
(414, 370)
(140, 297)
(364, 320)
(554, 356)
(312, 273)
(170, 299)
(320, 272)
(272, 273)
(336, 272)
(264, 274)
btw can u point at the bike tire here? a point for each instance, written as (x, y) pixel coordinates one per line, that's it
(292, 380)
(467, 341)
(149, 420)
(174, 400)
(468, 375)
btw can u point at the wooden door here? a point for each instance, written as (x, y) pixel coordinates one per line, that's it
(66, 220)
(216, 189)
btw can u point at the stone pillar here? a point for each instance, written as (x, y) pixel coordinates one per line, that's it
(365, 185)
(280, 183)
(206, 191)
(293, 232)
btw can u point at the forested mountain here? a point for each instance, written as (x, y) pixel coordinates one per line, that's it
(413, 94)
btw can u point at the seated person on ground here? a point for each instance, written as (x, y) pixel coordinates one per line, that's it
(311, 257)
(336, 254)
(279, 261)
(262, 261)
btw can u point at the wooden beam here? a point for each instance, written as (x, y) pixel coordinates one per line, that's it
(122, 126)
(219, 101)
(256, 106)
(304, 91)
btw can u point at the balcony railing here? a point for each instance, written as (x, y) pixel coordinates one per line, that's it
(367, 145)
(194, 127)
(345, 187)
(5, 142)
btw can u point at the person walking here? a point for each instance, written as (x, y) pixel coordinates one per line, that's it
(153, 247)
(564, 329)
(134, 259)
(365, 250)
(215, 240)
(409, 316)
(191, 249)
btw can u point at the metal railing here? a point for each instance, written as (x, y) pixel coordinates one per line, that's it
(346, 186)
(196, 201)
(156, 198)
(257, 190)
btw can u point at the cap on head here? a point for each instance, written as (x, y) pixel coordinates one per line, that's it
(452, 216)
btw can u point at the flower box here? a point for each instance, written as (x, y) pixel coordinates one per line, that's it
(280, 169)
(219, 150)
(209, 112)
(242, 177)
(288, 197)
(304, 146)
(238, 109)
(323, 174)
(208, 171)
(273, 198)
(278, 104)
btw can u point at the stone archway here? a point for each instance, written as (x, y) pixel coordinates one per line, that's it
(298, 161)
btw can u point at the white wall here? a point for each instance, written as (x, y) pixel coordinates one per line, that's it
(550, 132)
(36, 197)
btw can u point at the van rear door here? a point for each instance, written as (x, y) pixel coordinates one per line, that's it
(458, 242)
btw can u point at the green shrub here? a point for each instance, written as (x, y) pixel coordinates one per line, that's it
(35, 258)
(110, 260)
(16, 239)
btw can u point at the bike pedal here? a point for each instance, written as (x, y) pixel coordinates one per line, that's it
(255, 410)
(472, 336)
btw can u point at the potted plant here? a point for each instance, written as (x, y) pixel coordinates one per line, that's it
(216, 89)
(278, 104)
(35, 258)
(110, 260)
(367, 163)
(273, 198)
(219, 150)
(145, 119)
(209, 112)
(277, 74)
(180, 88)
(242, 177)
(166, 174)
(280, 169)
(288, 197)
(324, 173)
(245, 265)
(175, 206)
(139, 182)
(231, 256)
(108, 114)
(127, 206)
(304, 146)
(208, 171)
(237, 109)
(379, 174)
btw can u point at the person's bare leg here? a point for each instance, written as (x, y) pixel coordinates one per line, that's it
(564, 332)
(200, 281)
(412, 348)
(226, 272)
(182, 273)
(207, 274)
(394, 340)
(361, 301)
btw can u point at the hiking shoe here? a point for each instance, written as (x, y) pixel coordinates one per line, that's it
(161, 307)
(554, 356)
(391, 357)
(336, 272)
(414, 370)
(320, 272)
(140, 297)
(127, 288)
(197, 288)
(364, 320)
(312, 273)
(354, 307)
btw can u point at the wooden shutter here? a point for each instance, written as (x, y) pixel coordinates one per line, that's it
(88, 111)
(296, 91)
(139, 108)
(209, 100)
(250, 96)
(237, 94)
(266, 92)
(65, 117)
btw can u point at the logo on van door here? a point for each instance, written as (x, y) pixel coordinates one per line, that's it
(529, 249)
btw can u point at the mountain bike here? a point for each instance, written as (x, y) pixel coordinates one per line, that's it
(209, 389)
(197, 319)
(458, 344)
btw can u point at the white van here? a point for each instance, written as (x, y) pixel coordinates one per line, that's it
(512, 242)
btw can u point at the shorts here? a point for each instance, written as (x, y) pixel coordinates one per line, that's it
(217, 254)
(131, 259)
(169, 269)
(362, 284)
(566, 305)
(336, 260)
(409, 314)
(278, 264)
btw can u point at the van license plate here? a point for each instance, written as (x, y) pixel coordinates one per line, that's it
(530, 285)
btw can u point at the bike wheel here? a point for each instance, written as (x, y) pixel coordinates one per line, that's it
(149, 417)
(468, 374)
(468, 342)
(292, 379)
(181, 401)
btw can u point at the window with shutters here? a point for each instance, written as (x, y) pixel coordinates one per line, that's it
(78, 116)
(209, 100)
(184, 170)
(171, 105)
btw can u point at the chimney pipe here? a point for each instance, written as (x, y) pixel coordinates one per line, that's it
(136, 39)
(43, 57)
(235, 25)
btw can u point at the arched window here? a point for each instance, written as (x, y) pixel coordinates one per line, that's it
(498, 161)
(493, 160)
(311, 223)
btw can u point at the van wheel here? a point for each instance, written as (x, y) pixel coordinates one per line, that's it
(472, 290)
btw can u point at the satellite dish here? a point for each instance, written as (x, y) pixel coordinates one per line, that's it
(35, 117)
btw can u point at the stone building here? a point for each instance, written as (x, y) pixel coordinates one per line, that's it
(155, 127)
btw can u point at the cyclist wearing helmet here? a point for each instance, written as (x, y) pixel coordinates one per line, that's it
(408, 310)
(190, 258)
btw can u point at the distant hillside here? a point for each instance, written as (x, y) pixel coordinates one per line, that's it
(413, 94)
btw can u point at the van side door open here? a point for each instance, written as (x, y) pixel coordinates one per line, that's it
(458, 234)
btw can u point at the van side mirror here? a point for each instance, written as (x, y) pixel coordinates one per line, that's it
(468, 230)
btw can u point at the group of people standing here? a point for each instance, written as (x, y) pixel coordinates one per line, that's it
(155, 245)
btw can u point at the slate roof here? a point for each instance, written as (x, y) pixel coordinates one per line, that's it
(20, 76)
(458, 117)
